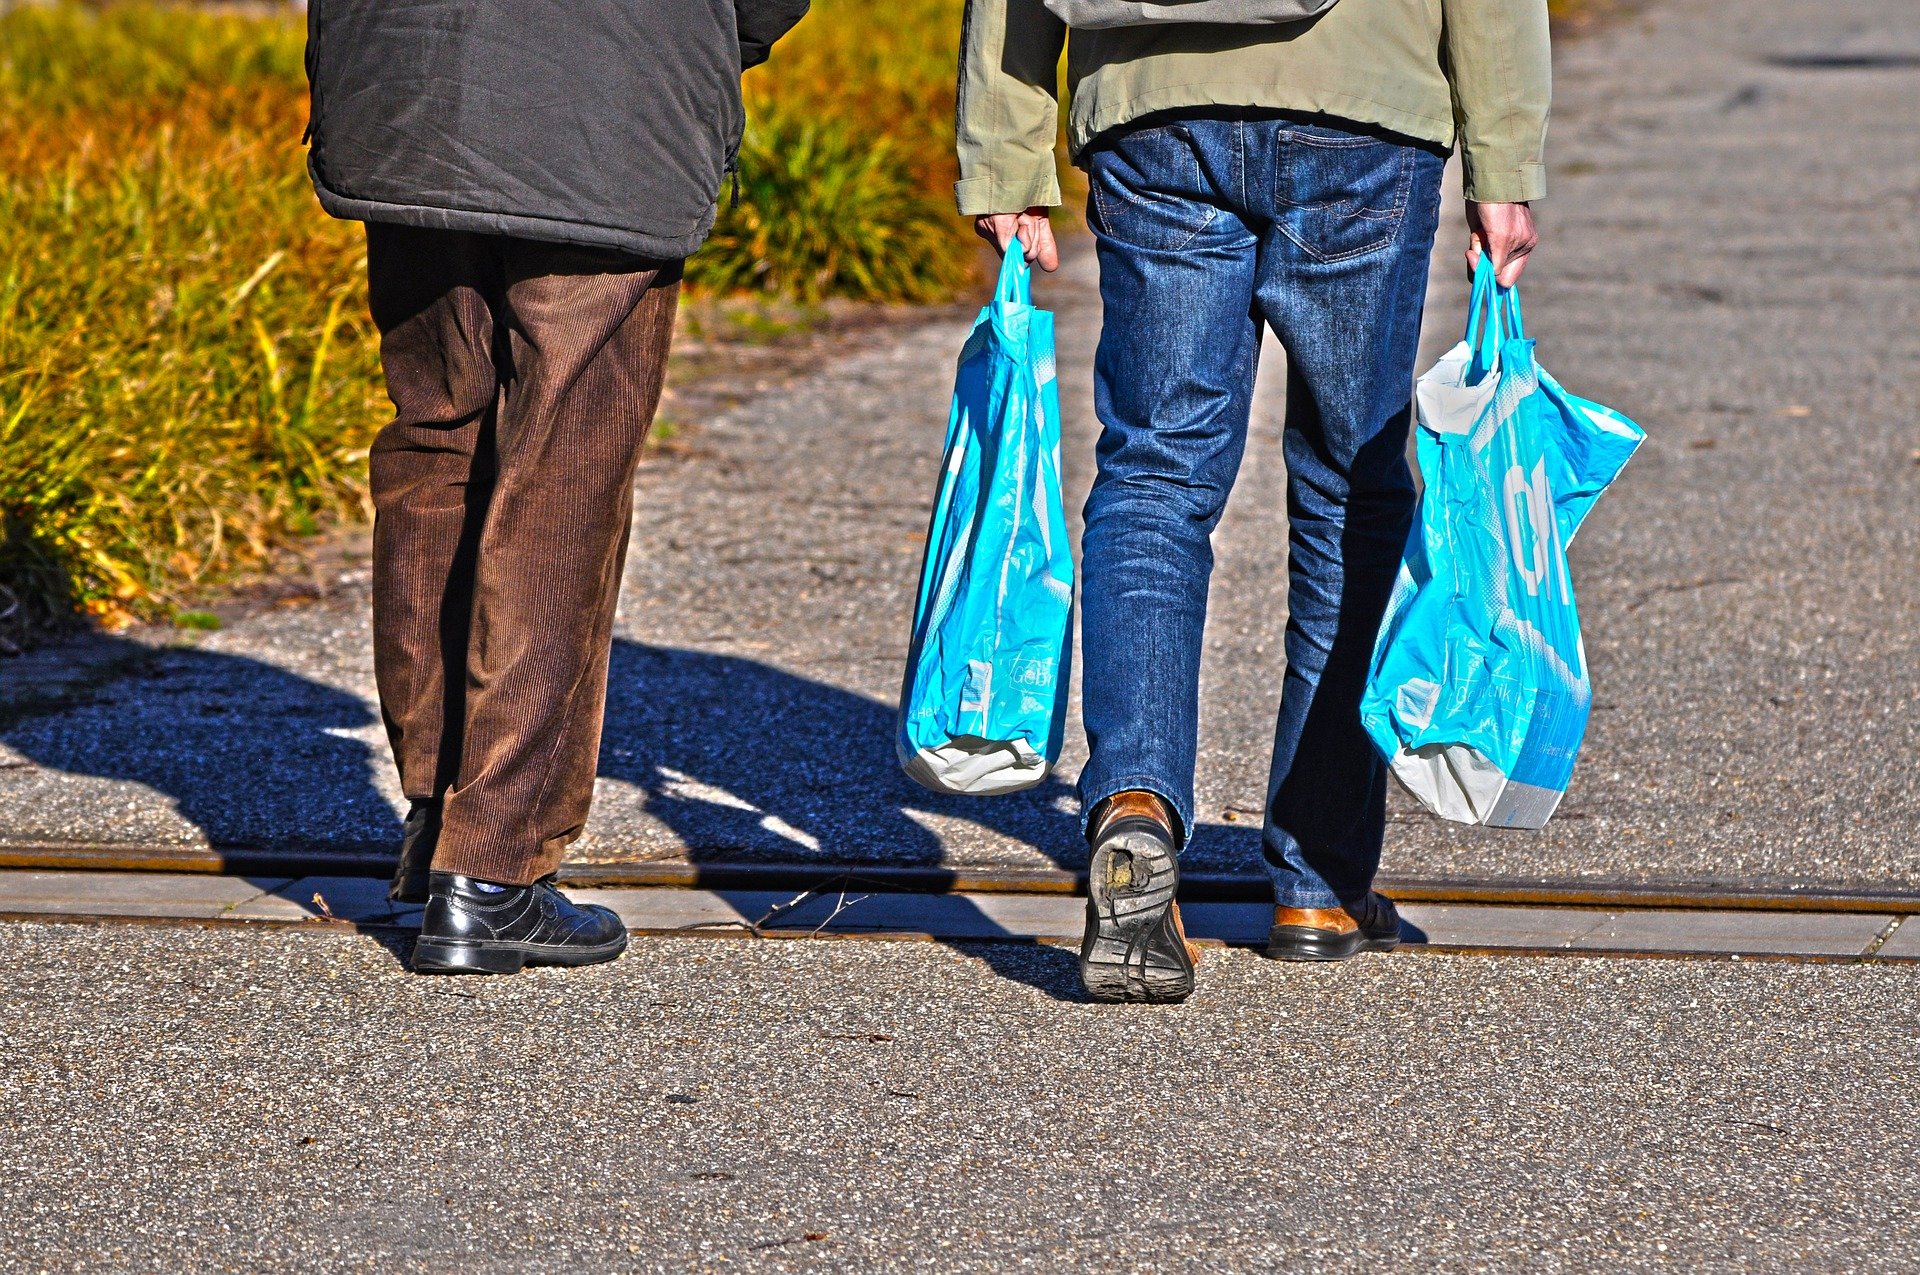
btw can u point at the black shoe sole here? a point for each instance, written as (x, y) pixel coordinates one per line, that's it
(1133, 950)
(1305, 943)
(470, 956)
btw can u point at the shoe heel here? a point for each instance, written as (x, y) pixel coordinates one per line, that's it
(1134, 949)
(442, 956)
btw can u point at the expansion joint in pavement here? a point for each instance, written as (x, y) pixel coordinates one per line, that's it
(332, 904)
(375, 861)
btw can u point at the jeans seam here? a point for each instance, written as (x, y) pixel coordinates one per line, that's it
(1331, 143)
(1099, 201)
(1240, 158)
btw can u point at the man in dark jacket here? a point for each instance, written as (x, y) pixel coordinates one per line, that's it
(532, 174)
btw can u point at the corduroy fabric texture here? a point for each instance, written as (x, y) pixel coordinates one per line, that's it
(524, 376)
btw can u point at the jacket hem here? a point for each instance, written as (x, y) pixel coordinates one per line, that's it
(1493, 183)
(1102, 116)
(544, 229)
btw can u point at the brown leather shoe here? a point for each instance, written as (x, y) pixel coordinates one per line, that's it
(1135, 948)
(1333, 934)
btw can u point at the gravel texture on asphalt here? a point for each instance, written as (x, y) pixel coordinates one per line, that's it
(181, 1099)
(1730, 255)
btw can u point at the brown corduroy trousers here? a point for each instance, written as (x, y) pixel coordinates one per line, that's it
(524, 376)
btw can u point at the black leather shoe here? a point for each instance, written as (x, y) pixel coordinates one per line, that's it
(1334, 934)
(1135, 948)
(418, 836)
(468, 930)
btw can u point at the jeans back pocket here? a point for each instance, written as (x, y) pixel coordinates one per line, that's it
(1338, 194)
(1149, 189)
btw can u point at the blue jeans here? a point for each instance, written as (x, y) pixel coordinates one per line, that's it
(1207, 227)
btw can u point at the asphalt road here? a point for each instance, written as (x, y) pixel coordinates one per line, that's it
(176, 1099)
(1732, 249)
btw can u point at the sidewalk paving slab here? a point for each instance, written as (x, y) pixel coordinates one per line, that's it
(361, 900)
(153, 894)
(1757, 933)
(1904, 943)
(1455, 925)
(940, 916)
(962, 917)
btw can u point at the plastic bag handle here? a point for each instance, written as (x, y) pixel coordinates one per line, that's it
(1493, 315)
(1015, 286)
(1516, 323)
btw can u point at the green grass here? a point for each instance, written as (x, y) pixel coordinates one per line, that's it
(187, 376)
(847, 169)
(188, 381)
(825, 211)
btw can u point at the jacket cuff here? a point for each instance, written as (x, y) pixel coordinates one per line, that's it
(1505, 183)
(978, 196)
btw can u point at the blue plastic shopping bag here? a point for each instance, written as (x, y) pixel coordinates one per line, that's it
(984, 705)
(1479, 693)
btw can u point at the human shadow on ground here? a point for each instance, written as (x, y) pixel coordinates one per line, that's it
(256, 757)
(747, 763)
(743, 762)
(265, 763)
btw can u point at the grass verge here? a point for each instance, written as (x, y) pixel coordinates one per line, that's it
(188, 380)
(847, 168)
(187, 376)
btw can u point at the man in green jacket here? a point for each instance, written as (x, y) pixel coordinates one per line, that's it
(1285, 172)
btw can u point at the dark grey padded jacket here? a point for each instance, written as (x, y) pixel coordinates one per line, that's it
(609, 123)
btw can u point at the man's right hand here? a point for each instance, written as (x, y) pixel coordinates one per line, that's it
(1504, 230)
(1031, 227)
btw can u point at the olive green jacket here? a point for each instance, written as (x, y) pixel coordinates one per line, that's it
(1475, 72)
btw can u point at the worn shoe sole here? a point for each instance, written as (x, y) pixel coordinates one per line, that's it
(471, 956)
(1305, 943)
(1134, 948)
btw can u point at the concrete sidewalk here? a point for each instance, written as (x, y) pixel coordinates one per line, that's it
(1730, 255)
(203, 1099)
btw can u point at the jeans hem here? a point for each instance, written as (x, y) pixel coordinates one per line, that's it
(1296, 887)
(1283, 898)
(1090, 800)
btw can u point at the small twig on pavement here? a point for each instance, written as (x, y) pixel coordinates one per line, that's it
(754, 928)
(1752, 1124)
(1680, 586)
(839, 907)
(808, 1237)
(758, 928)
(777, 909)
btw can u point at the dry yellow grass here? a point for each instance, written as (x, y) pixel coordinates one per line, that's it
(187, 375)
